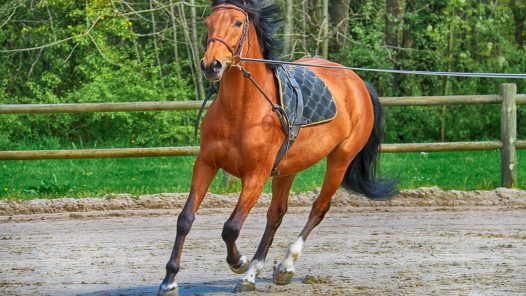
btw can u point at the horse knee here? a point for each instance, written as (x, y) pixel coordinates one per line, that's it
(184, 223)
(231, 231)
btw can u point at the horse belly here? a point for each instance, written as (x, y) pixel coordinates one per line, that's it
(312, 145)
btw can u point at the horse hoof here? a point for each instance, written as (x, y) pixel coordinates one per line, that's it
(245, 286)
(170, 290)
(282, 277)
(241, 266)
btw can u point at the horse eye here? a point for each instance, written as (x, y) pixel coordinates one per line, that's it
(238, 24)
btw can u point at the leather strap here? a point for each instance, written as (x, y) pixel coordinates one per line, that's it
(211, 92)
(222, 41)
(293, 128)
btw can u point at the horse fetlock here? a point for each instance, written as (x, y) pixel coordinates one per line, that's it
(256, 267)
(241, 266)
(245, 286)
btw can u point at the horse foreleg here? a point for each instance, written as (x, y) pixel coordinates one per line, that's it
(250, 192)
(336, 168)
(202, 177)
(278, 208)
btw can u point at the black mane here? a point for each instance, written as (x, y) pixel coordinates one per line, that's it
(266, 17)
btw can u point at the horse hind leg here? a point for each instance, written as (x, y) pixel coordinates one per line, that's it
(278, 207)
(337, 163)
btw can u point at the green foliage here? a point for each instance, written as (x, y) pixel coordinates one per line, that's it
(107, 51)
(96, 177)
(452, 35)
(50, 187)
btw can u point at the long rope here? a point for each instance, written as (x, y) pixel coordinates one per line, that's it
(433, 73)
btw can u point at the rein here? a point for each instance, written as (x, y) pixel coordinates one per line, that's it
(413, 72)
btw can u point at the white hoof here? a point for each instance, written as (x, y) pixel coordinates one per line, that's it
(168, 290)
(244, 286)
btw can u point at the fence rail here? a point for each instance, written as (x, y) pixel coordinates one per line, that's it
(100, 107)
(508, 144)
(193, 105)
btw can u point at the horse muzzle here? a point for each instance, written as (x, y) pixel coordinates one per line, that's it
(214, 71)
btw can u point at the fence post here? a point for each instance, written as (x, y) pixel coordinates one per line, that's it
(508, 135)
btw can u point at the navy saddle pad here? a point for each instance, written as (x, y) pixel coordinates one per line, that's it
(298, 82)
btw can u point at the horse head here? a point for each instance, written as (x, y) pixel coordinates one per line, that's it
(228, 28)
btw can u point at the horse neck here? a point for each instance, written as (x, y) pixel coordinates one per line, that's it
(236, 93)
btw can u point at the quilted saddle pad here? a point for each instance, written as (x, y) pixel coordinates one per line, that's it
(298, 82)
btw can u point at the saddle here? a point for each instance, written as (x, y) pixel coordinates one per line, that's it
(306, 101)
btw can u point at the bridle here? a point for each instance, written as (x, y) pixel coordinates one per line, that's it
(236, 53)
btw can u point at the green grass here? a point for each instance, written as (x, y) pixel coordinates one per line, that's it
(96, 177)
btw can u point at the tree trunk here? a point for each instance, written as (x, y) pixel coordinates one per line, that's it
(190, 49)
(339, 14)
(325, 29)
(393, 17)
(519, 16)
(393, 34)
(156, 46)
(407, 41)
(289, 29)
(174, 36)
(304, 9)
(443, 114)
(195, 45)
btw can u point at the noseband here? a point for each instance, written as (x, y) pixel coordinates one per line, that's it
(236, 53)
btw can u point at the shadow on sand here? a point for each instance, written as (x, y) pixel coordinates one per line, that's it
(221, 286)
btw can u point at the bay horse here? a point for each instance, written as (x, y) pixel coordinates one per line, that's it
(241, 134)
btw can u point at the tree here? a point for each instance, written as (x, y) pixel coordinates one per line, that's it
(519, 15)
(288, 34)
(339, 14)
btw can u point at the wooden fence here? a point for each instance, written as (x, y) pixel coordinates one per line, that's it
(508, 98)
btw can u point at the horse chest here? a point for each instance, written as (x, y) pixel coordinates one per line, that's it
(237, 147)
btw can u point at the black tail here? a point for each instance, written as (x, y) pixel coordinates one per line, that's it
(361, 174)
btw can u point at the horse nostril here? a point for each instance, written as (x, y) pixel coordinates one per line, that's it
(217, 66)
(203, 68)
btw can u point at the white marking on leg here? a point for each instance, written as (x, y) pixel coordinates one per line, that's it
(242, 261)
(169, 287)
(293, 254)
(256, 267)
(240, 265)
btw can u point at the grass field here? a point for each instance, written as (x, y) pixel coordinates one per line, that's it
(96, 177)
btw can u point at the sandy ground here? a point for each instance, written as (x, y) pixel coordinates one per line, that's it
(381, 250)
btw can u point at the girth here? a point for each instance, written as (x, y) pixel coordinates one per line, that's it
(291, 126)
